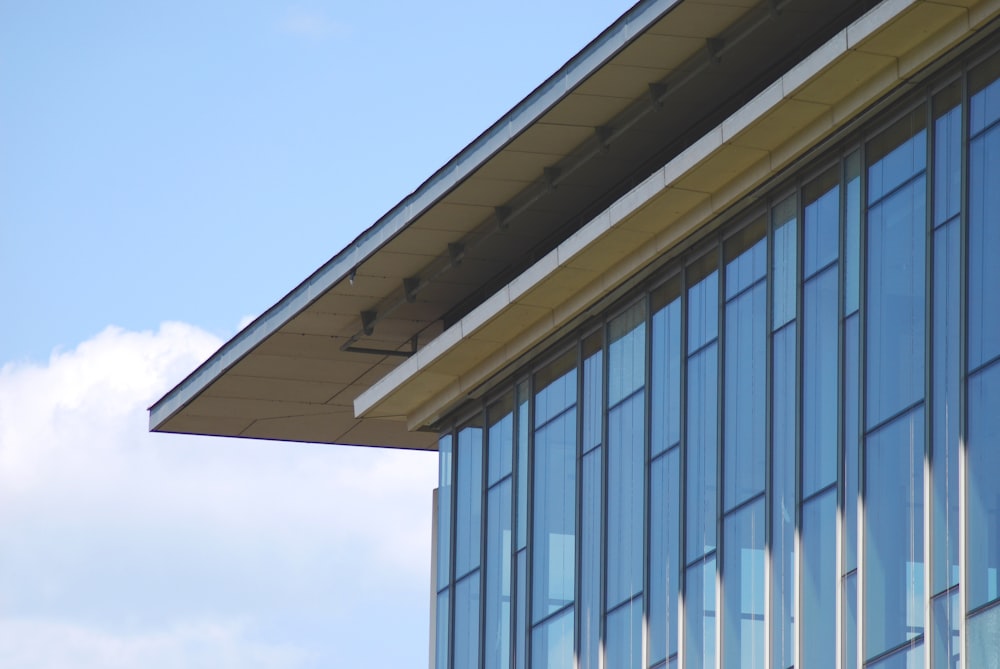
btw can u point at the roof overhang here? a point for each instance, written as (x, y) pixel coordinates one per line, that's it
(878, 57)
(485, 245)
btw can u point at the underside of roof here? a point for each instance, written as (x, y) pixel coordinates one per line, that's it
(643, 96)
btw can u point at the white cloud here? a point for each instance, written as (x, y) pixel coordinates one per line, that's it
(155, 539)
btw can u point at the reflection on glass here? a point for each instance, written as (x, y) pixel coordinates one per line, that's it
(468, 499)
(819, 581)
(467, 621)
(590, 559)
(894, 560)
(852, 233)
(444, 511)
(983, 492)
(699, 609)
(984, 630)
(664, 554)
(819, 381)
(665, 384)
(911, 657)
(500, 439)
(947, 641)
(984, 242)
(496, 640)
(851, 621)
(784, 263)
(852, 401)
(624, 645)
(441, 644)
(702, 455)
(552, 643)
(593, 392)
(783, 496)
(743, 588)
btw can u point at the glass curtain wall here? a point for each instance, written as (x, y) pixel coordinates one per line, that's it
(781, 451)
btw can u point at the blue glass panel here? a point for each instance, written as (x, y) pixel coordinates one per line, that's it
(911, 657)
(626, 495)
(897, 155)
(746, 258)
(500, 440)
(444, 510)
(665, 386)
(852, 234)
(467, 622)
(819, 381)
(819, 581)
(743, 580)
(983, 492)
(745, 395)
(783, 409)
(984, 107)
(895, 339)
(702, 453)
(624, 645)
(521, 480)
(947, 641)
(590, 560)
(947, 154)
(554, 535)
(496, 638)
(945, 417)
(821, 222)
(703, 311)
(984, 248)
(984, 630)
(664, 554)
(894, 543)
(552, 643)
(850, 621)
(521, 612)
(784, 264)
(441, 644)
(468, 499)
(699, 610)
(852, 439)
(593, 393)
(555, 388)
(626, 354)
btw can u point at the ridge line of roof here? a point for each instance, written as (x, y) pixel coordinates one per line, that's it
(584, 63)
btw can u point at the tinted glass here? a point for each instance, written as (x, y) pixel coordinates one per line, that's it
(468, 499)
(743, 570)
(784, 263)
(445, 461)
(552, 643)
(699, 605)
(624, 645)
(984, 245)
(852, 439)
(783, 500)
(821, 222)
(500, 439)
(665, 385)
(664, 554)
(702, 454)
(819, 381)
(819, 581)
(984, 630)
(590, 559)
(467, 621)
(496, 639)
(947, 640)
(983, 491)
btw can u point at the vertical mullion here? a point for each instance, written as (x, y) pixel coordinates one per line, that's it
(529, 556)
(602, 595)
(963, 366)
(841, 528)
(647, 477)
(862, 394)
(769, 442)
(578, 519)
(682, 476)
(798, 403)
(930, 177)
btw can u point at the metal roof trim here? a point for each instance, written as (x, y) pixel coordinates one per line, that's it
(581, 66)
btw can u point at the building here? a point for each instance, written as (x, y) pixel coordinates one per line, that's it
(707, 336)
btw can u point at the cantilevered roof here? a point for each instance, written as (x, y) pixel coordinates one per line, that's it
(657, 80)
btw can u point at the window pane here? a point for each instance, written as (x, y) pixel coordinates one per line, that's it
(553, 554)
(500, 439)
(590, 560)
(947, 153)
(521, 612)
(819, 581)
(626, 354)
(897, 155)
(819, 381)
(911, 657)
(984, 246)
(821, 222)
(664, 554)
(699, 606)
(498, 554)
(945, 416)
(745, 394)
(852, 234)
(743, 588)
(626, 495)
(895, 370)
(947, 641)
(784, 265)
(703, 303)
(444, 511)
(468, 499)
(783, 496)
(983, 491)
(441, 630)
(702, 454)
(985, 88)
(522, 464)
(852, 439)
(746, 257)
(552, 643)
(624, 649)
(984, 630)
(593, 392)
(555, 388)
(851, 621)
(894, 561)
(665, 422)
(467, 621)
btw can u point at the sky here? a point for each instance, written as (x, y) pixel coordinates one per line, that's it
(168, 171)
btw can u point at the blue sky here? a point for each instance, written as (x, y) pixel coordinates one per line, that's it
(168, 171)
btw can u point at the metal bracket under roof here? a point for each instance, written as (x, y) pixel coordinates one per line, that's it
(349, 347)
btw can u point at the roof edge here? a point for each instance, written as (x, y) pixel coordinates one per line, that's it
(578, 68)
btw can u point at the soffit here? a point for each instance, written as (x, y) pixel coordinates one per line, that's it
(544, 168)
(877, 53)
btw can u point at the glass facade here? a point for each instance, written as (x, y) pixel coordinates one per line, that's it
(781, 451)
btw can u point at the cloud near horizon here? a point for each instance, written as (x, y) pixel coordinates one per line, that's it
(123, 548)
